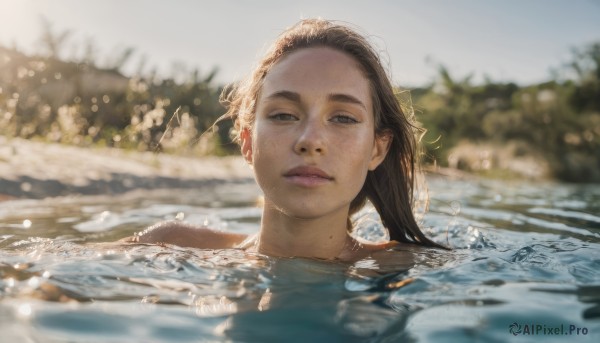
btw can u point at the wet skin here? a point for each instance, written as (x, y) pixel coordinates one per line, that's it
(311, 146)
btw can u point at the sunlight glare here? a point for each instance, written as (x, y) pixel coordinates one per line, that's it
(24, 311)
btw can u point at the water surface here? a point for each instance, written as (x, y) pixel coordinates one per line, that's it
(525, 256)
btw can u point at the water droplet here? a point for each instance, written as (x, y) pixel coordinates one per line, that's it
(34, 282)
(24, 310)
(25, 186)
(103, 216)
(455, 206)
(21, 72)
(26, 223)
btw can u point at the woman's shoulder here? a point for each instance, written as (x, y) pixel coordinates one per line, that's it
(186, 235)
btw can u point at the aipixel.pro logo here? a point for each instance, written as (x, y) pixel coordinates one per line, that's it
(536, 329)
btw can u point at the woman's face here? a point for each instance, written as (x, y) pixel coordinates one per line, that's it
(313, 139)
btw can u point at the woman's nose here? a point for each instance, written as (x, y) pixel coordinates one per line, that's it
(311, 140)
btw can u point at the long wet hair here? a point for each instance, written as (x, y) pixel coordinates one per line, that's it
(391, 186)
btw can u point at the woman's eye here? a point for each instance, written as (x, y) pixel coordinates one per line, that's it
(343, 119)
(283, 117)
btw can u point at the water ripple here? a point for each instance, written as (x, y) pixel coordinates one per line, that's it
(520, 251)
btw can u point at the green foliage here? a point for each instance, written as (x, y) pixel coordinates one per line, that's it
(78, 103)
(560, 121)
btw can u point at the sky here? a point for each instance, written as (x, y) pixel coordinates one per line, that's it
(518, 41)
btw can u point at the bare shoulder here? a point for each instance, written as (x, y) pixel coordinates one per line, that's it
(186, 235)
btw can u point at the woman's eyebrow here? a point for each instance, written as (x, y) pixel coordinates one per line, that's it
(295, 97)
(287, 95)
(347, 99)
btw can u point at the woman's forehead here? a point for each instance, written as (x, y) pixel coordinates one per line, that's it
(317, 69)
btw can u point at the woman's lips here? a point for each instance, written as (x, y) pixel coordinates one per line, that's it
(307, 176)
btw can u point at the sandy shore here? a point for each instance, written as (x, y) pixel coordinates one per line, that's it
(30, 169)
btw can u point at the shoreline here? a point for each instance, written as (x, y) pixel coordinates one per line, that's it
(37, 170)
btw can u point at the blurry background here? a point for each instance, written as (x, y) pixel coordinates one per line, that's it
(508, 88)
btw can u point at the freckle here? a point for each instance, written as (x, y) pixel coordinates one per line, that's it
(330, 237)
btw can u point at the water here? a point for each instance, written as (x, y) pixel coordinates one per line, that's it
(525, 264)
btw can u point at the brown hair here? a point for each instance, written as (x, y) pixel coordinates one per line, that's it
(391, 185)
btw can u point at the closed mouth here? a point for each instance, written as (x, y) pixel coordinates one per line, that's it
(308, 172)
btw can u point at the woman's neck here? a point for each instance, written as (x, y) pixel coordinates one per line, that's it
(324, 237)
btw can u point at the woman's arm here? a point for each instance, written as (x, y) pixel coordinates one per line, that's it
(186, 235)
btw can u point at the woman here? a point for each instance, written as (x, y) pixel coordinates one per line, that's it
(320, 125)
